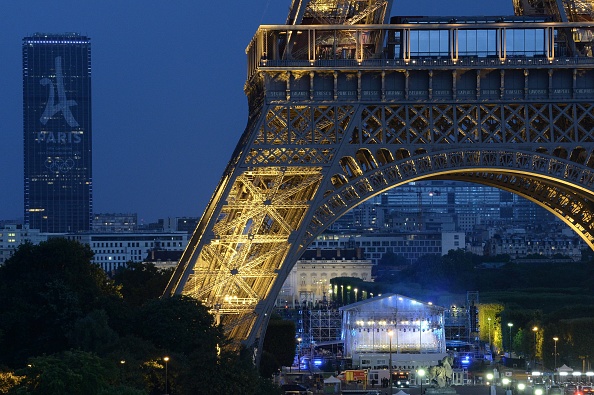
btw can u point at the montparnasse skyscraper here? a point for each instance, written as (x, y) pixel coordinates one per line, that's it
(58, 184)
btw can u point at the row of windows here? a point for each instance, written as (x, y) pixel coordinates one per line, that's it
(117, 251)
(409, 253)
(393, 243)
(482, 43)
(544, 243)
(137, 244)
(414, 248)
(331, 267)
(111, 258)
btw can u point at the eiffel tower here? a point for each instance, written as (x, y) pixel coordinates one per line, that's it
(346, 102)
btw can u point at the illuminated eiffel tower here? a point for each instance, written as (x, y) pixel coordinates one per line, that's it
(346, 102)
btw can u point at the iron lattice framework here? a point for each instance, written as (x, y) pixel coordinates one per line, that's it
(342, 110)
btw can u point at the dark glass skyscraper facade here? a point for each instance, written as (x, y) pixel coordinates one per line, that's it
(57, 132)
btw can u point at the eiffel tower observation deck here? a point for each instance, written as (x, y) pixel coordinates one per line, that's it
(346, 102)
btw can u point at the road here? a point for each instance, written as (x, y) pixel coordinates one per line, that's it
(461, 390)
(473, 390)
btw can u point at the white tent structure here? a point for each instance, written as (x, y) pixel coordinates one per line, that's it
(332, 385)
(393, 327)
(562, 373)
(564, 368)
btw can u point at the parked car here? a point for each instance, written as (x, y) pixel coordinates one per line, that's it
(555, 390)
(571, 389)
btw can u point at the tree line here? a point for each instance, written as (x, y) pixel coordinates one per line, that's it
(66, 327)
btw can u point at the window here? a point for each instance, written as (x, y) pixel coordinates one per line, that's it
(424, 43)
(524, 42)
(481, 43)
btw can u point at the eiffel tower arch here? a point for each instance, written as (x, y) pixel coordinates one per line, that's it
(345, 103)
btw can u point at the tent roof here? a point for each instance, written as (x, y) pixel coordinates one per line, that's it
(331, 380)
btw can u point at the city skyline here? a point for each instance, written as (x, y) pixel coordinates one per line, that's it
(166, 81)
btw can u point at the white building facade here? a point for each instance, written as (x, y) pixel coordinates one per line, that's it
(114, 250)
(309, 280)
(13, 235)
(408, 245)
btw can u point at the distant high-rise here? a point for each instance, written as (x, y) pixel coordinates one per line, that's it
(57, 132)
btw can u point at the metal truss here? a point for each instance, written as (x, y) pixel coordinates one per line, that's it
(249, 241)
(563, 10)
(339, 12)
(325, 325)
(324, 137)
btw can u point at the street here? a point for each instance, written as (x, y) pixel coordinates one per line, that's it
(460, 390)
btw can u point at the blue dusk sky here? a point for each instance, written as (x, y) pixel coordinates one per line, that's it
(167, 92)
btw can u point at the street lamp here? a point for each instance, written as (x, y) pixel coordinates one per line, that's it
(342, 295)
(421, 373)
(355, 294)
(509, 324)
(489, 382)
(535, 330)
(299, 353)
(390, 333)
(166, 359)
(555, 367)
(122, 362)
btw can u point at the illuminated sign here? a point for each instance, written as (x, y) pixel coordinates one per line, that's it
(63, 105)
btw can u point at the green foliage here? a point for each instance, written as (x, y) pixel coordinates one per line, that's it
(575, 341)
(279, 345)
(549, 295)
(45, 289)
(392, 259)
(141, 282)
(344, 295)
(92, 333)
(74, 326)
(179, 324)
(70, 372)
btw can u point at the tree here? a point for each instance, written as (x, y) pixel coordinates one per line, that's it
(391, 259)
(179, 324)
(279, 345)
(141, 282)
(92, 333)
(63, 316)
(70, 372)
(45, 289)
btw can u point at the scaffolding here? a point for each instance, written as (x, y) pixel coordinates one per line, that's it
(325, 325)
